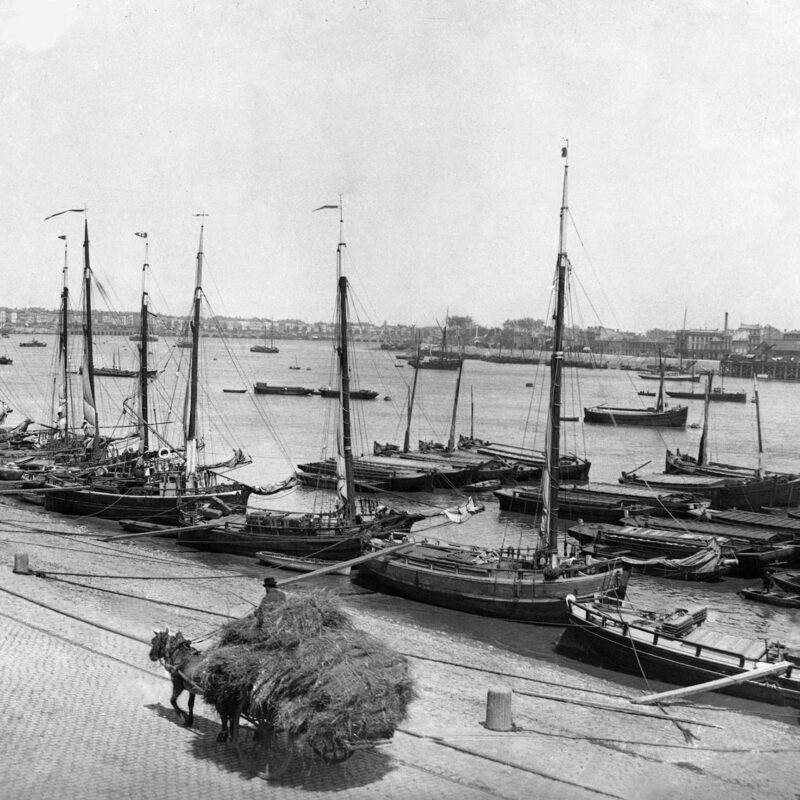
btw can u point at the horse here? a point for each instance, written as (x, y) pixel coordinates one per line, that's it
(182, 661)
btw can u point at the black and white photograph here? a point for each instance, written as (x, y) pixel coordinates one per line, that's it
(396, 399)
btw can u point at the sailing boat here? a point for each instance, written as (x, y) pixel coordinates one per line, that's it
(57, 441)
(153, 485)
(747, 488)
(116, 371)
(445, 359)
(527, 586)
(266, 348)
(334, 535)
(676, 646)
(717, 394)
(450, 467)
(660, 416)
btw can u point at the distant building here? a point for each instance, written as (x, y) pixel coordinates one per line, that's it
(703, 344)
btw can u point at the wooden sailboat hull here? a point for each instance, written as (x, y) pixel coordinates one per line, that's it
(675, 376)
(427, 575)
(787, 580)
(745, 490)
(299, 391)
(571, 468)
(150, 507)
(247, 542)
(397, 480)
(116, 372)
(295, 535)
(321, 480)
(756, 547)
(594, 502)
(715, 396)
(632, 645)
(644, 417)
(355, 394)
(432, 362)
(644, 542)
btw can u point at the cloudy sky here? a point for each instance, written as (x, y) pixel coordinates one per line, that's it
(440, 124)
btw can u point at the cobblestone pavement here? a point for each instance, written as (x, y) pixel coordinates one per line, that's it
(87, 714)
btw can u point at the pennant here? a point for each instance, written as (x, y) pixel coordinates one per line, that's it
(63, 237)
(322, 207)
(143, 235)
(59, 213)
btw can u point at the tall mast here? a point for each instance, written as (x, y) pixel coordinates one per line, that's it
(63, 350)
(703, 446)
(344, 378)
(660, 399)
(550, 477)
(143, 347)
(451, 442)
(406, 443)
(758, 426)
(89, 395)
(90, 413)
(190, 454)
(191, 427)
(471, 414)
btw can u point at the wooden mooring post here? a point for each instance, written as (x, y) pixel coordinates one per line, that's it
(21, 566)
(498, 710)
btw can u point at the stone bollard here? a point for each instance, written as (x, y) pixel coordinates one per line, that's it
(498, 710)
(21, 564)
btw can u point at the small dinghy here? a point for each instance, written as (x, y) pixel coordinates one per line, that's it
(774, 597)
(297, 563)
(481, 486)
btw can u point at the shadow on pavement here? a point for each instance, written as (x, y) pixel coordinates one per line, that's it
(289, 765)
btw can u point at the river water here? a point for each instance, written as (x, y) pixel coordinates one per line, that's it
(496, 403)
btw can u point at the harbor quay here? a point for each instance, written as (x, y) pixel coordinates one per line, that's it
(87, 714)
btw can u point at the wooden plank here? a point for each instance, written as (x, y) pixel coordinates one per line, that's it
(184, 529)
(349, 563)
(710, 686)
(617, 709)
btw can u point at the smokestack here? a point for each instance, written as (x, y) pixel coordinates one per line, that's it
(726, 322)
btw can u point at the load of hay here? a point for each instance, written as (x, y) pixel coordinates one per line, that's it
(300, 664)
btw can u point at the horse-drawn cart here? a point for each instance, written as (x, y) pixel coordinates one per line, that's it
(300, 673)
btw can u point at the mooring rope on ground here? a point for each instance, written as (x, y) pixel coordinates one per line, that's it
(74, 616)
(48, 573)
(505, 762)
(146, 599)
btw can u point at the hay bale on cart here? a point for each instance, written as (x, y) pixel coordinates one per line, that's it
(300, 666)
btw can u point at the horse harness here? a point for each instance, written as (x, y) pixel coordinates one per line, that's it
(174, 668)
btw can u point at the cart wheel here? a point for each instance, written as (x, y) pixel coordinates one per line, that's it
(331, 752)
